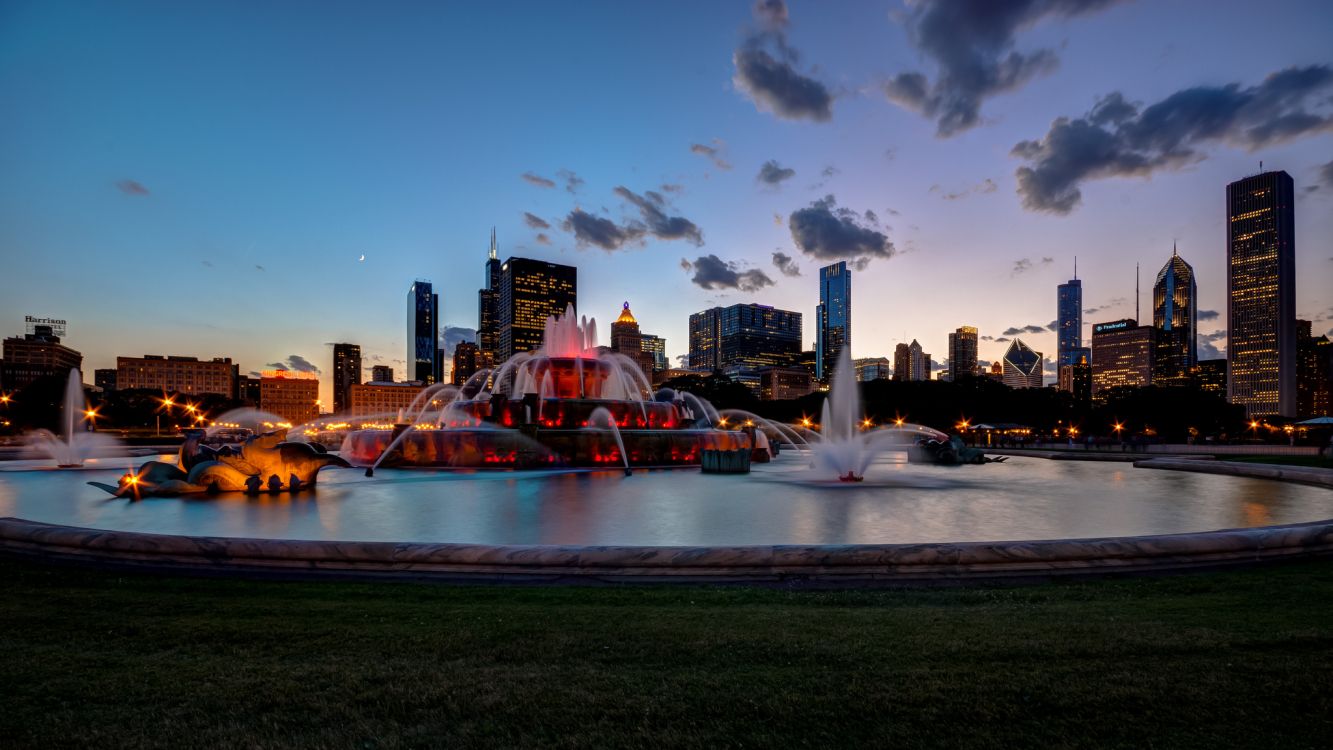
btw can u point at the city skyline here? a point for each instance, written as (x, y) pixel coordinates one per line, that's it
(232, 220)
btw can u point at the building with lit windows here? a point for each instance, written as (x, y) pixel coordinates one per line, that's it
(1068, 321)
(530, 292)
(488, 304)
(381, 374)
(963, 352)
(918, 362)
(1211, 376)
(171, 374)
(1314, 372)
(291, 395)
(1022, 366)
(423, 333)
(36, 355)
(749, 336)
(346, 373)
(1122, 354)
(626, 339)
(656, 346)
(873, 368)
(1261, 295)
(382, 400)
(833, 317)
(467, 362)
(1175, 318)
(105, 379)
(784, 383)
(1077, 378)
(902, 362)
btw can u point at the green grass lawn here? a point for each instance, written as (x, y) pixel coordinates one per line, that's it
(96, 659)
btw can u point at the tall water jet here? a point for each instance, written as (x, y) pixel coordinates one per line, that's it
(75, 444)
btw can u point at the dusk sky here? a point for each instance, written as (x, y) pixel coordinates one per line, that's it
(204, 178)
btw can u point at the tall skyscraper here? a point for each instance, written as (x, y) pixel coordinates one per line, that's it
(1314, 372)
(1022, 366)
(488, 304)
(627, 339)
(1261, 294)
(902, 362)
(1122, 354)
(1175, 318)
(918, 362)
(423, 333)
(833, 316)
(530, 292)
(1077, 378)
(346, 373)
(656, 346)
(746, 336)
(1069, 319)
(963, 352)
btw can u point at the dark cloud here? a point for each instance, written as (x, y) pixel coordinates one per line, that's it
(773, 173)
(538, 180)
(771, 13)
(1053, 326)
(130, 187)
(595, 230)
(655, 220)
(543, 238)
(1208, 345)
(825, 232)
(1030, 329)
(669, 187)
(1325, 176)
(207, 263)
(1118, 139)
(294, 362)
(258, 267)
(572, 181)
(711, 272)
(1208, 315)
(985, 186)
(452, 336)
(714, 153)
(765, 70)
(1002, 340)
(786, 264)
(1023, 265)
(971, 43)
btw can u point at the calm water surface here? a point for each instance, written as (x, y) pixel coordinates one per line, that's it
(1023, 498)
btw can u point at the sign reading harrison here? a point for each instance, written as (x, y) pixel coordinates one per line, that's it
(57, 325)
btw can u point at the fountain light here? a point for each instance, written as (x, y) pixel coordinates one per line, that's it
(1118, 427)
(4, 399)
(805, 421)
(866, 423)
(899, 421)
(90, 414)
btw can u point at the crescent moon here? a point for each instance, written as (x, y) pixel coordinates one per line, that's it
(362, 259)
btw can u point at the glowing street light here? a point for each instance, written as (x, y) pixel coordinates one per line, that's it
(866, 423)
(899, 421)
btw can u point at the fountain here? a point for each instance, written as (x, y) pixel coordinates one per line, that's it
(75, 444)
(570, 403)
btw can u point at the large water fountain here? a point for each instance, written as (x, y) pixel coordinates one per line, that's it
(75, 444)
(570, 403)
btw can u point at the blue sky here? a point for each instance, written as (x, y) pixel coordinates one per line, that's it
(202, 178)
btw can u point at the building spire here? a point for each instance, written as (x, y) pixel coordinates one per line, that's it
(1075, 268)
(1136, 292)
(494, 249)
(1173, 249)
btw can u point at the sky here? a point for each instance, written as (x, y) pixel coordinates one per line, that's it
(260, 180)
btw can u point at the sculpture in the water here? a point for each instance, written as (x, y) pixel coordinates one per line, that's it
(263, 463)
(949, 452)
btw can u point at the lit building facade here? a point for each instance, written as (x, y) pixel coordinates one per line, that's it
(1077, 378)
(655, 346)
(1175, 316)
(36, 355)
(1314, 372)
(1261, 295)
(873, 368)
(467, 362)
(1122, 354)
(530, 292)
(784, 383)
(346, 373)
(423, 333)
(963, 352)
(382, 400)
(918, 362)
(186, 375)
(745, 335)
(1069, 321)
(833, 317)
(291, 395)
(1211, 376)
(1022, 366)
(488, 304)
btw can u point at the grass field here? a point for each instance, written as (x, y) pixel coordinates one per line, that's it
(97, 659)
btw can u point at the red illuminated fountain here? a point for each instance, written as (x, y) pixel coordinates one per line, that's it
(568, 404)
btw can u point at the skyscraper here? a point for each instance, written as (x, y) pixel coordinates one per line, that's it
(530, 292)
(833, 316)
(1175, 318)
(918, 362)
(1122, 355)
(1261, 294)
(1077, 378)
(902, 362)
(346, 373)
(656, 346)
(1069, 319)
(381, 374)
(963, 352)
(744, 335)
(488, 304)
(423, 333)
(627, 339)
(1314, 372)
(1022, 366)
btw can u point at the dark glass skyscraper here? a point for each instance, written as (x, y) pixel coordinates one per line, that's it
(833, 316)
(346, 373)
(963, 352)
(1069, 318)
(423, 333)
(530, 292)
(749, 336)
(1175, 318)
(1261, 294)
(488, 304)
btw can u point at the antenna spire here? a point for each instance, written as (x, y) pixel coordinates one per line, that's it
(494, 249)
(1075, 268)
(1173, 249)
(1136, 292)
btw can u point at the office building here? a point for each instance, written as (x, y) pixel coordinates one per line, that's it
(37, 354)
(1211, 376)
(530, 292)
(784, 383)
(381, 374)
(655, 346)
(963, 352)
(346, 373)
(833, 317)
(1077, 378)
(996, 372)
(105, 379)
(902, 362)
(1261, 295)
(1069, 321)
(247, 390)
(467, 361)
(1175, 318)
(1022, 366)
(423, 333)
(291, 395)
(1314, 372)
(873, 368)
(385, 401)
(626, 339)
(1122, 355)
(188, 375)
(488, 304)
(750, 336)
(918, 362)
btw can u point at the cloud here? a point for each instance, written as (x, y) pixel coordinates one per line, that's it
(714, 153)
(1325, 176)
(668, 187)
(1208, 315)
(771, 14)
(535, 222)
(258, 267)
(1029, 329)
(543, 238)
(1117, 138)
(452, 336)
(1022, 265)
(294, 362)
(572, 181)
(1002, 340)
(655, 220)
(1208, 345)
(595, 230)
(1053, 326)
(131, 187)
(971, 45)
(711, 272)
(786, 264)
(985, 186)
(537, 180)
(766, 72)
(773, 174)
(825, 232)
